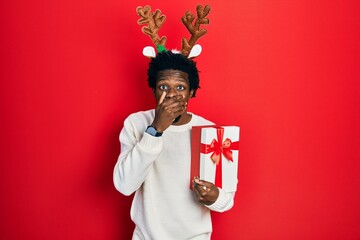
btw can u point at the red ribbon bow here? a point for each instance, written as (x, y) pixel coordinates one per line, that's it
(218, 147)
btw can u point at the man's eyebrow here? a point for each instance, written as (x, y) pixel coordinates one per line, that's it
(181, 79)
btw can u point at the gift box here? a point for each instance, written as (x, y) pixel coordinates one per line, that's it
(215, 155)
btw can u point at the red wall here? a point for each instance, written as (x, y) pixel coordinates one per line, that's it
(287, 72)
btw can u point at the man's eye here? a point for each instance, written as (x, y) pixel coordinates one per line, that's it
(163, 87)
(180, 87)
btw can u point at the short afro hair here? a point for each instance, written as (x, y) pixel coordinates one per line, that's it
(168, 60)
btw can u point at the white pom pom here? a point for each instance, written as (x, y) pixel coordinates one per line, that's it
(175, 51)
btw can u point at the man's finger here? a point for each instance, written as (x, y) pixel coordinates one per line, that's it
(197, 194)
(162, 97)
(204, 185)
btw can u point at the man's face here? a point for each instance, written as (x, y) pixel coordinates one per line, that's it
(173, 82)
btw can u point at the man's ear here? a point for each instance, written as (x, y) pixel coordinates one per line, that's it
(191, 93)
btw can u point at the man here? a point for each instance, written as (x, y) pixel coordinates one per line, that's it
(155, 159)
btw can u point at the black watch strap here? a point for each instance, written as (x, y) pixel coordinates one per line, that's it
(153, 131)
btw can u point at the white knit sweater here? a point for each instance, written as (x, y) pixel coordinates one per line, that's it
(157, 169)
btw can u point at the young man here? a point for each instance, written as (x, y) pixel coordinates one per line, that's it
(155, 159)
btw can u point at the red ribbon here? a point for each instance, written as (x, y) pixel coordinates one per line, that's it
(219, 148)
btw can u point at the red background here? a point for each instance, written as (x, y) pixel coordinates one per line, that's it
(287, 72)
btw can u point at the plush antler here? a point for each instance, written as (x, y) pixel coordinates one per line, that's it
(154, 20)
(195, 30)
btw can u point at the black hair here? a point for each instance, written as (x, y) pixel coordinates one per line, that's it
(168, 60)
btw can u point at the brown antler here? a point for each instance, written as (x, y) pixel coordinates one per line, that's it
(154, 20)
(195, 30)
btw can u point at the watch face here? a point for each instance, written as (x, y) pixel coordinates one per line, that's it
(153, 132)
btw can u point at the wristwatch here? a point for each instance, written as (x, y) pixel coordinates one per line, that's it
(153, 131)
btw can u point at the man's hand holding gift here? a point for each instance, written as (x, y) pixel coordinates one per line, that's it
(205, 192)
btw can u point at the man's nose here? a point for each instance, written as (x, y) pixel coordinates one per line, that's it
(171, 93)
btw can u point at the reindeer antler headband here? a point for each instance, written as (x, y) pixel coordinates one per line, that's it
(155, 20)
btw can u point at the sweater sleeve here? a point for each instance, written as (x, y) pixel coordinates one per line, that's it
(224, 202)
(138, 152)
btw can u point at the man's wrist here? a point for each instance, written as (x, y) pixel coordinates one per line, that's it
(153, 131)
